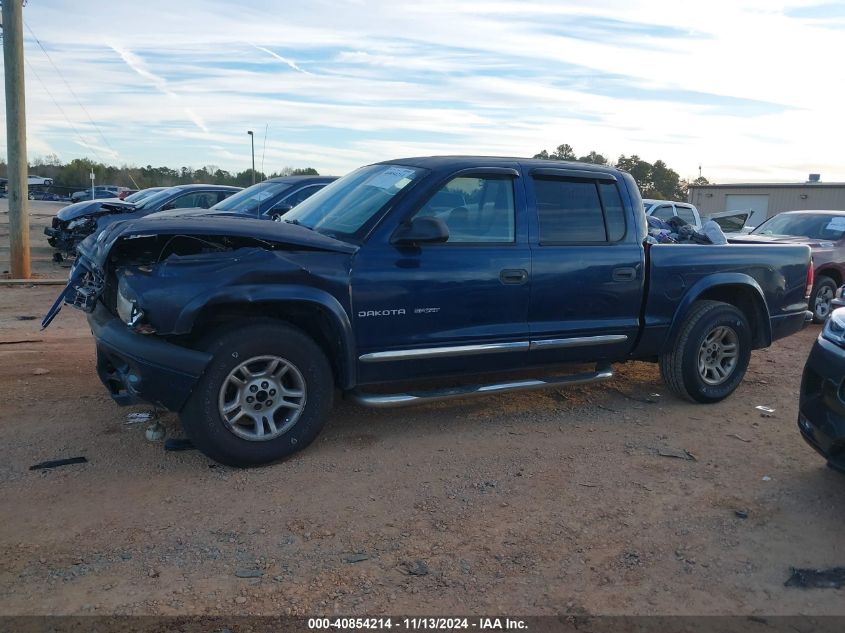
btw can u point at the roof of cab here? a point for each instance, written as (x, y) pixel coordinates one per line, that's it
(452, 162)
(192, 186)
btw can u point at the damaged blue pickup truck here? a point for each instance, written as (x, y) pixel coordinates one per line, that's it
(415, 269)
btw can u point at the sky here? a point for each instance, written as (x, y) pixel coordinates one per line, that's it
(750, 90)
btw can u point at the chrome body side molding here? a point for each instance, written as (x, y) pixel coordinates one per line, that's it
(579, 341)
(444, 352)
(490, 348)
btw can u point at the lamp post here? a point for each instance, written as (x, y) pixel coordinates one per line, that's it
(252, 142)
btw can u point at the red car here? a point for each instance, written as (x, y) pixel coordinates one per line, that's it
(824, 233)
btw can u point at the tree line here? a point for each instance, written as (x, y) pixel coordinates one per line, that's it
(655, 180)
(75, 174)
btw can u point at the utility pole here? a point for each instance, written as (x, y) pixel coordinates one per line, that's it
(252, 141)
(16, 139)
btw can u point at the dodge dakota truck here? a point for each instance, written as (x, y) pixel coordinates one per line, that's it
(416, 269)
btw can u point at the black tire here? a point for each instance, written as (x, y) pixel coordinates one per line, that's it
(824, 290)
(679, 366)
(231, 348)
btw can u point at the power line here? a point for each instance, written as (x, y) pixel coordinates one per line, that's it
(62, 110)
(78, 101)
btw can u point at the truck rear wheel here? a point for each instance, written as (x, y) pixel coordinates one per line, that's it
(265, 394)
(708, 358)
(820, 299)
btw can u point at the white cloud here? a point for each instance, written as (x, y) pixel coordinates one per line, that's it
(344, 83)
(284, 60)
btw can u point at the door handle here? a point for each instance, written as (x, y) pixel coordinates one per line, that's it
(513, 276)
(624, 274)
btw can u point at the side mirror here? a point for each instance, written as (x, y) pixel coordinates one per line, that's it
(167, 207)
(424, 230)
(281, 209)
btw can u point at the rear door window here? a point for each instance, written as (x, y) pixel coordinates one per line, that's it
(578, 211)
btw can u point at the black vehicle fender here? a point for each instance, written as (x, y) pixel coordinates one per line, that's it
(268, 295)
(738, 289)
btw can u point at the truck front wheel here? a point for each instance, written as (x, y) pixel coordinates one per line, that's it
(265, 394)
(709, 356)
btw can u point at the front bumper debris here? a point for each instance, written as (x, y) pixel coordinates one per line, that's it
(137, 368)
(65, 236)
(85, 285)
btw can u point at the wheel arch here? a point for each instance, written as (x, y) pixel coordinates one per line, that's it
(737, 289)
(830, 271)
(315, 312)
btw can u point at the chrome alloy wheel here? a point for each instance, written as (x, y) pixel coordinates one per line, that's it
(822, 304)
(717, 356)
(262, 398)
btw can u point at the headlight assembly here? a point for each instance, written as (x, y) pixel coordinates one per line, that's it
(127, 308)
(834, 327)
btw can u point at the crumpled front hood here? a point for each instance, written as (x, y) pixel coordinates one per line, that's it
(96, 248)
(186, 213)
(92, 208)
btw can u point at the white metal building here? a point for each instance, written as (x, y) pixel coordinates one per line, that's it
(768, 199)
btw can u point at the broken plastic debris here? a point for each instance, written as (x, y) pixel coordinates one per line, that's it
(357, 558)
(833, 578)
(135, 418)
(766, 412)
(676, 453)
(766, 478)
(55, 463)
(155, 432)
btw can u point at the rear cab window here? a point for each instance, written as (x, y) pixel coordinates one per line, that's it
(686, 214)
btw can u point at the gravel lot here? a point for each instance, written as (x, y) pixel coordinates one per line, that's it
(606, 499)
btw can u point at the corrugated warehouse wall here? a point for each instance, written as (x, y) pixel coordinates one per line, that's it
(767, 200)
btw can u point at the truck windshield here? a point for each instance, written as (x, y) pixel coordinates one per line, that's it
(342, 208)
(253, 199)
(815, 226)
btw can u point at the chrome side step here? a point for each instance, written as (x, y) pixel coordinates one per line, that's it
(383, 401)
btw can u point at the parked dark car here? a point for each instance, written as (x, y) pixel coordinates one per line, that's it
(272, 198)
(77, 221)
(100, 193)
(74, 231)
(824, 233)
(48, 196)
(413, 269)
(821, 409)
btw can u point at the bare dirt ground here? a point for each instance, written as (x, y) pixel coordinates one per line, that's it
(541, 503)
